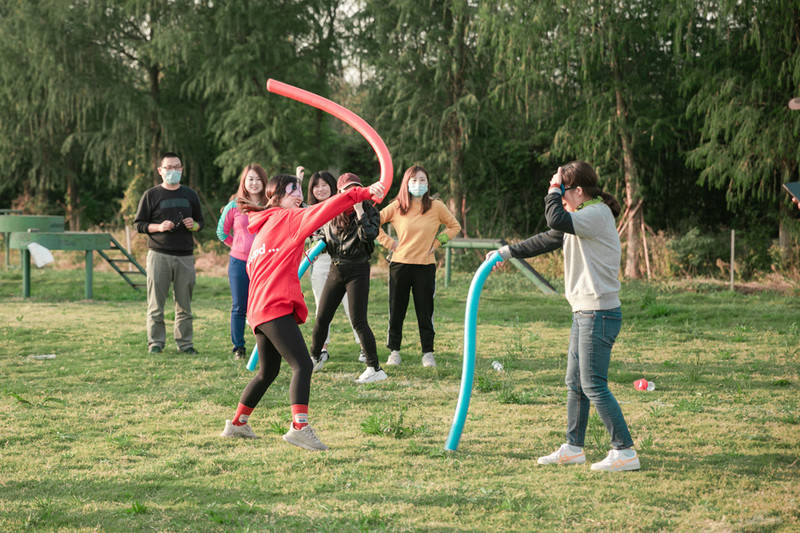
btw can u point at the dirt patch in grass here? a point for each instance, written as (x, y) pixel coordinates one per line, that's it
(772, 282)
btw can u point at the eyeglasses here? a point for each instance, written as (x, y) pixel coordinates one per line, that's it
(565, 189)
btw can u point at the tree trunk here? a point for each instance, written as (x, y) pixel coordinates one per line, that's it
(456, 169)
(784, 237)
(155, 126)
(633, 239)
(455, 131)
(72, 209)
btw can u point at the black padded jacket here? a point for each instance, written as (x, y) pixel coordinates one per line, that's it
(355, 242)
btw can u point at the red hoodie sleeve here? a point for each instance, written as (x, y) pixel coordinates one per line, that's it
(317, 215)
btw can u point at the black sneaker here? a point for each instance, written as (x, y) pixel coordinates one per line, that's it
(190, 351)
(155, 348)
(239, 352)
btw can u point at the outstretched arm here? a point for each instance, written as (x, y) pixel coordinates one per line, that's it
(538, 244)
(315, 216)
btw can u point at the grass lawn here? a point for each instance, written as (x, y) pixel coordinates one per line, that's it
(108, 437)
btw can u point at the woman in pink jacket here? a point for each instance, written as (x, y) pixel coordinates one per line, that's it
(232, 230)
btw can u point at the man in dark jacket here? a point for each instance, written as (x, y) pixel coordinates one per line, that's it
(169, 214)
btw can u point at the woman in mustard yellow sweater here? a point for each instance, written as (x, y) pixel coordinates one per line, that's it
(416, 219)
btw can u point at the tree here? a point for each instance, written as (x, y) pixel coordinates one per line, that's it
(745, 64)
(607, 70)
(243, 45)
(94, 92)
(428, 78)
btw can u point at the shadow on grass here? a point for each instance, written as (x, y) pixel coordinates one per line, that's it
(172, 505)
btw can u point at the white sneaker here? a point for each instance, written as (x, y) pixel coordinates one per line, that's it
(231, 430)
(370, 375)
(428, 359)
(319, 362)
(618, 461)
(565, 455)
(394, 358)
(362, 357)
(304, 438)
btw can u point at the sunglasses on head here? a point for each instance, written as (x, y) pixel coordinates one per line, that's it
(293, 189)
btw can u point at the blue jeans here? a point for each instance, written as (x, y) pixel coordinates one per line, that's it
(590, 340)
(240, 283)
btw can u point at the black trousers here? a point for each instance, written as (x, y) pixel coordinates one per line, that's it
(353, 279)
(276, 339)
(419, 280)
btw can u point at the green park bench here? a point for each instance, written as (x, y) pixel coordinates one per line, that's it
(493, 244)
(48, 231)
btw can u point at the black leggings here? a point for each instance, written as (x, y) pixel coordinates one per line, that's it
(275, 339)
(352, 278)
(420, 281)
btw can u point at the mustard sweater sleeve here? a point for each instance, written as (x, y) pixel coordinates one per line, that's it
(387, 213)
(451, 225)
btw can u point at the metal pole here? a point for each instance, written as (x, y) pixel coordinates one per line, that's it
(89, 268)
(733, 240)
(447, 265)
(26, 273)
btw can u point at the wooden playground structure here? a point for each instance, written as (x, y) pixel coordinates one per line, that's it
(19, 231)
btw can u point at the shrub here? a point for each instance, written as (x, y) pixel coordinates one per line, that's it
(708, 253)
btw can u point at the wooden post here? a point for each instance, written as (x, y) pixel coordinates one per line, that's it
(646, 251)
(448, 252)
(733, 240)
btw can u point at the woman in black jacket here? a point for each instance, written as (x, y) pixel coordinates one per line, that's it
(349, 239)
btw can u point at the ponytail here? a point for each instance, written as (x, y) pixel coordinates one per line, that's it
(611, 202)
(246, 205)
(581, 174)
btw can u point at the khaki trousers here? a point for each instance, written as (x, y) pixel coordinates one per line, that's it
(163, 269)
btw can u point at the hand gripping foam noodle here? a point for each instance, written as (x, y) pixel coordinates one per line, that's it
(345, 115)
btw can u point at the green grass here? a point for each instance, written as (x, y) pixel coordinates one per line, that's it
(108, 437)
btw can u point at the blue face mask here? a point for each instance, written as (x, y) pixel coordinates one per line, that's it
(417, 189)
(172, 177)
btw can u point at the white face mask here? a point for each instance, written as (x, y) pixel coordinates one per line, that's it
(417, 189)
(172, 177)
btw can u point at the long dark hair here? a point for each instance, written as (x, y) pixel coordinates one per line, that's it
(403, 196)
(275, 191)
(581, 174)
(341, 221)
(325, 176)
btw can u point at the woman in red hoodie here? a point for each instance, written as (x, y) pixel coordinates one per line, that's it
(275, 304)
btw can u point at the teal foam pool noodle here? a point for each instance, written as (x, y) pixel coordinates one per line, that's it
(468, 366)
